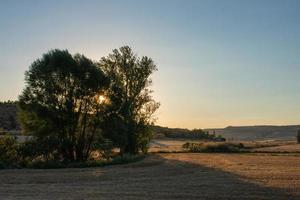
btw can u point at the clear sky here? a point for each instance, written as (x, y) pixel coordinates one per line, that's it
(219, 62)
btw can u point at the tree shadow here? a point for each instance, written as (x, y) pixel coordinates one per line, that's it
(173, 179)
(153, 178)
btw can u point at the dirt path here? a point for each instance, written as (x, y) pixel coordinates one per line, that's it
(164, 176)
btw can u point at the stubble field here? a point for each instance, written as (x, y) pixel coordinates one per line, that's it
(164, 176)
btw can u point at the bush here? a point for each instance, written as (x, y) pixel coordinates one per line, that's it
(28, 149)
(213, 147)
(298, 136)
(8, 151)
(30, 154)
(54, 164)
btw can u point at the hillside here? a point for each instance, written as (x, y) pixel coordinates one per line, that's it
(247, 133)
(258, 132)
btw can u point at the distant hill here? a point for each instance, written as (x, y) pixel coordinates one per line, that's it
(247, 133)
(258, 132)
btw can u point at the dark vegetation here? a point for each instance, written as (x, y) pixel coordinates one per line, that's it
(298, 136)
(14, 154)
(8, 116)
(178, 133)
(214, 147)
(72, 107)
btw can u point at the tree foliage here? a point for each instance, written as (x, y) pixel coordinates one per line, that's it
(60, 104)
(8, 150)
(8, 113)
(72, 106)
(131, 108)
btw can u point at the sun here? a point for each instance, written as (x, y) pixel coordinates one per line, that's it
(101, 98)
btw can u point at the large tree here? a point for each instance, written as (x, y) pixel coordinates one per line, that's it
(130, 110)
(60, 105)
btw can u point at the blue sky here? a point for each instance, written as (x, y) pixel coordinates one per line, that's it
(219, 62)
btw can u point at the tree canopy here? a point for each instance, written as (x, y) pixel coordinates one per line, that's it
(61, 102)
(72, 105)
(131, 107)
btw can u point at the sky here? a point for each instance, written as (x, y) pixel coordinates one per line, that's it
(220, 63)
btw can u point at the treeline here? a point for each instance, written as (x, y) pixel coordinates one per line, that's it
(72, 106)
(180, 133)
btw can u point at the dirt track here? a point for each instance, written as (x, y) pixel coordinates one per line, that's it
(164, 176)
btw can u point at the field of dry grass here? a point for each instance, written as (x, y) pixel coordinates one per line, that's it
(164, 176)
(166, 145)
(291, 148)
(175, 145)
(280, 171)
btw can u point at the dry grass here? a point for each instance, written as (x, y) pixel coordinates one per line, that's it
(271, 170)
(292, 148)
(164, 176)
(175, 145)
(168, 145)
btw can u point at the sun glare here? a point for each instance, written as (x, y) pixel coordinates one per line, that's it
(101, 99)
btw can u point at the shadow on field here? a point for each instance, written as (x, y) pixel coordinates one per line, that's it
(152, 178)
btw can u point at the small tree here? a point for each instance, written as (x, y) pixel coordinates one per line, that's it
(131, 107)
(298, 136)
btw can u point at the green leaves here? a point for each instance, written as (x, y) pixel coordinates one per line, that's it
(8, 149)
(61, 105)
(59, 100)
(131, 103)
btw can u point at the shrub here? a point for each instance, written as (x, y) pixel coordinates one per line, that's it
(213, 147)
(31, 154)
(298, 136)
(8, 151)
(28, 149)
(53, 164)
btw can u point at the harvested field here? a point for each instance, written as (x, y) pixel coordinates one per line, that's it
(292, 148)
(167, 145)
(267, 170)
(276, 146)
(164, 176)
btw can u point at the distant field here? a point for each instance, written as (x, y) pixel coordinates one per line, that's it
(282, 148)
(164, 176)
(175, 145)
(167, 145)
